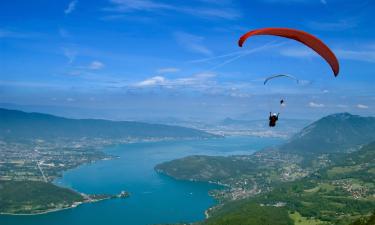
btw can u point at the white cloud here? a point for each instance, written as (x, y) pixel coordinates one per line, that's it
(221, 11)
(199, 83)
(168, 70)
(96, 65)
(153, 81)
(192, 43)
(71, 7)
(316, 105)
(197, 80)
(361, 106)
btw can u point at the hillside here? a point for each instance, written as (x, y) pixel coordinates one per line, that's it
(237, 213)
(338, 194)
(251, 174)
(34, 196)
(335, 133)
(365, 221)
(18, 124)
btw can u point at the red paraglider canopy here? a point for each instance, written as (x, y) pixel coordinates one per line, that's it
(309, 40)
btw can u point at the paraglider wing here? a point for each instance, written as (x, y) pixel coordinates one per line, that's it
(305, 38)
(278, 76)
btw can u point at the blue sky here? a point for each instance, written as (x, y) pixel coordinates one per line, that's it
(135, 59)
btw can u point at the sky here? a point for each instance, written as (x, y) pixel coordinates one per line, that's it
(144, 59)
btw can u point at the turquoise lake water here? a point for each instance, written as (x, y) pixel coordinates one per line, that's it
(155, 198)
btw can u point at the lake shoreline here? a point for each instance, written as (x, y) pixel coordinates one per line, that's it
(45, 212)
(88, 200)
(133, 171)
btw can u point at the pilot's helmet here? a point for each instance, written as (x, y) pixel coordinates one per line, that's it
(274, 114)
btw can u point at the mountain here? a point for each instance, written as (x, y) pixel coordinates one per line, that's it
(334, 133)
(18, 124)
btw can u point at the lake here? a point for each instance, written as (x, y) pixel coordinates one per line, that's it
(155, 198)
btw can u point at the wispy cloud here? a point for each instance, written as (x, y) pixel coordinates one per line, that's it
(236, 54)
(210, 10)
(217, 57)
(96, 65)
(64, 33)
(362, 53)
(86, 71)
(297, 52)
(196, 80)
(69, 54)
(367, 55)
(245, 53)
(153, 81)
(192, 43)
(227, 13)
(316, 105)
(134, 5)
(7, 33)
(168, 70)
(324, 2)
(30, 84)
(70, 99)
(10, 33)
(342, 106)
(203, 83)
(71, 7)
(361, 106)
(340, 25)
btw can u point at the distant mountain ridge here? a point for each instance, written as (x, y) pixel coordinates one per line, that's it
(18, 124)
(334, 133)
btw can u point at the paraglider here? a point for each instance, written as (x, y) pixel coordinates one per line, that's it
(279, 76)
(301, 36)
(273, 119)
